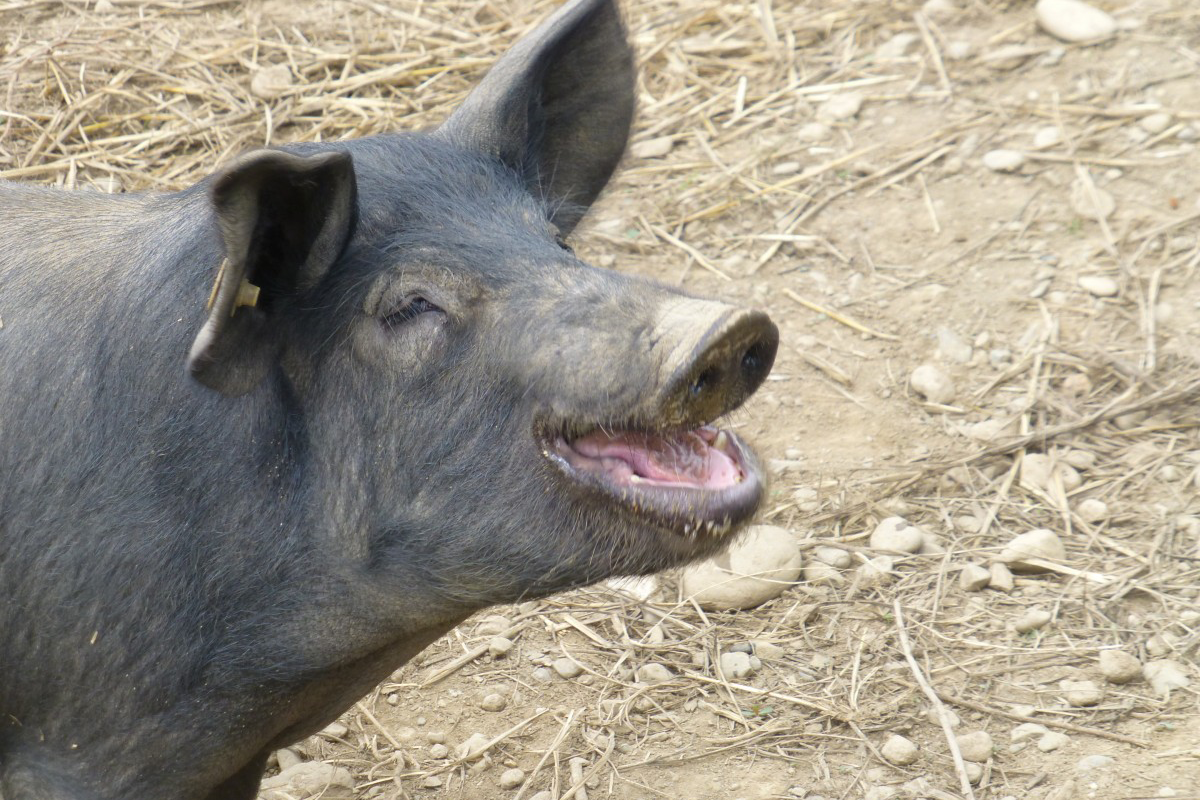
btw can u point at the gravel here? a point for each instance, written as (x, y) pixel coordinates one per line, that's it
(841, 106)
(1003, 160)
(1001, 578)
(499, 646)
(899, 751)
(932, 383)
(1074, 21)
(897, 533)
(512, 778)
(494, 702)
(1119, 667)
(758, 567)
(567, 668)
(1040, 543)
(654, 673)
(1099, 285)
(1082, 694)
(973, 578)
(736, 665)
(1031, 620)
(975, 746)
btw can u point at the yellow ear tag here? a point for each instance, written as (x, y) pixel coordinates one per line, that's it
(247, 294)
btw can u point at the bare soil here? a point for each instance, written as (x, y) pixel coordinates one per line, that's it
(863, 243)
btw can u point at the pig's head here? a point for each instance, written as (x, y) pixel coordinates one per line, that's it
(480, 412)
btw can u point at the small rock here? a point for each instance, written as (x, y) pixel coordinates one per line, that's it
(833, 556)
(1031, 620)
(499, 646)
(431, 782)
(493, 702)
(974, 772)
(287, 757)
(952, 347)
(931, 545)
(932, 383)
(898, 46)
(1039, 470)
(989, 429)
(567, 668)
(103, 6)
(1094, 762)
(1040, 543)
(1074, 21)
(959, 49)
(939, 8)
(1001, 579)
(1092, 509)
(543, 795)
(1119, 667)
(542, 674)
(1003, 160)
(1009, 56)
(813, 132)
(1047, 137)
(1026, 731)
(756, 568)
(875, 572)
(1155, 123)
(652, 148)
(1081, 460)
(1053, 740)
(975, 746)
(736, 665)
(767, 651)
(841, 106)
(1170, 473)
(899, 751)
(270, 82)
(654, 673)
(1158, 646)
(999, 356)
(1077, 385)
(1164, 675)
(335, 730)
(512, 778)
(897, 533)
(309, 779)
(819, 573)
(434, 737)
(438, 751)
(1091, 201)
(493, 625)
(1099, 285)
(974, 578)
(1082, 694)
(472, 747)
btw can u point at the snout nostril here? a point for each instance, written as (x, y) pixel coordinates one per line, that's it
(754, 358)
(703, 381)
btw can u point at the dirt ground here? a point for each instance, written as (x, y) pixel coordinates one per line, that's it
(879, 241)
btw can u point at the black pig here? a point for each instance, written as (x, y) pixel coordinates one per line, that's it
(405, 401)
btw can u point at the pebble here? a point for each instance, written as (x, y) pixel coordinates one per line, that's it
(1119, 667)
(1009, 56)
(1040, 543)
(833, 556)
(814, 132)
(897, 533)
(899, 751)
(975, 746)
(1164, 675)
(759, 566)
(435, 737)
(898, 46)
(959, 49)
(932, 383)
(1003, 160)
(335, 730)
(736, 665)
(567, 668)
(875, 572)
(512, 778)
(1026, 731)
(819, 573)
(1082, 694)
(1091, 202)
(542, 674)
(1158, 646)
(309, 779)
(973, 578)
(270, 82)
(974, 772)
(1092, 509)
(1001, 578)
(472, 747)
(1082, 460)
(1053, 740)
(439, 751)
(1074, 21)
(493, 702)
(287, 757)
(431, 782)
(543, 795)
(952, 347)
(1099, 285)
(1155, 123)
(841, 106)
(1038, 471)
(1031, 620)
(1047, 137)
(1076, 385)
(493, 625)
(654, 673)
(657, 147)
(768, 651)
(1094, 762)
(499, 646)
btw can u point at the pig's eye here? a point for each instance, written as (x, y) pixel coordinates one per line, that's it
(411, 308)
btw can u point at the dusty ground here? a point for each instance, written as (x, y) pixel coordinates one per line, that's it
(889, 221)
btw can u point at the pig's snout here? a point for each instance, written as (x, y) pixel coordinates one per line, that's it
(721, 355)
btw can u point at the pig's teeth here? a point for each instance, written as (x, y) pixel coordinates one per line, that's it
(636, 479)
(721, 440)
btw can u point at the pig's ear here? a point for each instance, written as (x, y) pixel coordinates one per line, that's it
(284, 220)
(557, 107)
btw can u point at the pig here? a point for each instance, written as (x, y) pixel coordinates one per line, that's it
(266, 438)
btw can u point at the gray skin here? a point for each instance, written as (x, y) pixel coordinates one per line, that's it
(219, 528)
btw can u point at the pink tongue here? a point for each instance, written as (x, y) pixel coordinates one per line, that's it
(683, 459)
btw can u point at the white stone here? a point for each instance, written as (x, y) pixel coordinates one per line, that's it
(932, 383)
(309, 779)
(736, 665)
(819, 573)
(1099, 285)
(875, 572)
(1082, 694)
(1074, 21)
(974, 577)
(897, 533)
(1040, 543)
(975, 746)
(757, 567)
(959, 49)
(652, 148)
(899, 751)
(439, 751)
(813, 132)
(1039, 471)
(1053, 740)
(567, 668)
(512, 778)
(1026, 731)
(1031, 620)
(841, 106)
(1003, 160)
(1082, 460)
(833, 556)
(1164, 675)
(1001, 578)
(499, 646)
(270, 82)
(898, 46)
(473, 747)
(654, 673)
(1155, 123)
(1092, 509)
(936, 8)
(493, 702)
(952, 347)
(1091, 201)
(1047, 137)
(1119, 667)
(1094, 762)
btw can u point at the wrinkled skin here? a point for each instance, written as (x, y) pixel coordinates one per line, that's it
(220, 528)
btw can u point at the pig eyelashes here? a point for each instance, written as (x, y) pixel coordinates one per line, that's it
(412, 307)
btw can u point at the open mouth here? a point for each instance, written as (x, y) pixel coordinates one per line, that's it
(691, 482)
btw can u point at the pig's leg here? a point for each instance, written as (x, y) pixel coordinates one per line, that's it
(243, 785)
